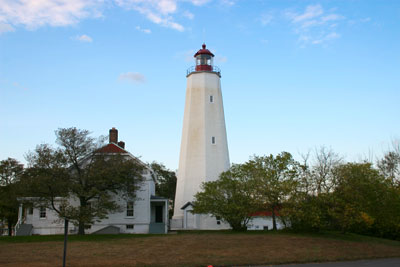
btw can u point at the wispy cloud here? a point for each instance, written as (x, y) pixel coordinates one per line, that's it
(314, 25)
(148, 31)
(221, 59)
(358, 21)
(310, 13)
(330, 36)
(365, 20)
(33, 14)
(84, 38)
(188, 14)
(135, 77)
(200, 2)
(157, 11)
(266, 19)
(186, 55)
(4, 27)
(228, 2)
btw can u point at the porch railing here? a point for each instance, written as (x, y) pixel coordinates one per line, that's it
(18, 225)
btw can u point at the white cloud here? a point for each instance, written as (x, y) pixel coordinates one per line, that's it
(266, 19)
(148, 31)
(157, 11)
(33, 14)
(331, 17)
(325, 38)
(84, 38)
(365, 20)
(4, 27)
(314, 24)
(311, 12)
(221, 59)
(132, 77)
(199, 2)
(228, 2)
(186, 55)
(188, 14)
(37, 13)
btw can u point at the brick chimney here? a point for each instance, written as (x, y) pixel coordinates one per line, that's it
(114, 136)
(121, 144)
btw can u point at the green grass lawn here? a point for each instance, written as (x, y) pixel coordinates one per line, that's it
(194, 248)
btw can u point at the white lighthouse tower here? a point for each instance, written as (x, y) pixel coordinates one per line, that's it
(204, 147)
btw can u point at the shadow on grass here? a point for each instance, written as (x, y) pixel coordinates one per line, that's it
(98, 238)
(71, 238)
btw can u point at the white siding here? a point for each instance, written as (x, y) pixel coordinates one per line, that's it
(141, 219)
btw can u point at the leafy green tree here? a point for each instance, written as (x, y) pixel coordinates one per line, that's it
(166, 183)
(10, 173)
(307, 212)
(231, 197)
(78, 172)
(364, 201)
(274, 180)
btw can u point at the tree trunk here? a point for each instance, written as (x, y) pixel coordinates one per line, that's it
(10, 228)
(273, 219)
(81, 223)
(81, 228)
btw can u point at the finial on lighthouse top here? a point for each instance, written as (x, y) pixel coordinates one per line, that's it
(204, 51)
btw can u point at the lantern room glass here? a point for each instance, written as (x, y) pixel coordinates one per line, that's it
(204, 59)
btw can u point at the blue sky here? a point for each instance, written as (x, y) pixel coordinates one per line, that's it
(295, 74)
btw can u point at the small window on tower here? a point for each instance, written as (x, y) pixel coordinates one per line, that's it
(211, 99)
(213, 140)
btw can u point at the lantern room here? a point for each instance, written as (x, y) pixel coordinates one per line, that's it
(204, 59)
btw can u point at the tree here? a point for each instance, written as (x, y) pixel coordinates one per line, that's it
(365, 202)
(325, 161)
(389, 166)
(166, 183)
(78, 172)
(274, 180)
(10, 173)
(231, 197)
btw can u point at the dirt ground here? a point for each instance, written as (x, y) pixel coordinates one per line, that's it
(193, 250)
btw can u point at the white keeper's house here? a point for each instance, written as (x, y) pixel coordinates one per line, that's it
(148, 213)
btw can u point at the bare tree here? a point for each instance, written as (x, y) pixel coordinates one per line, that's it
(325, 161)
(389, 165)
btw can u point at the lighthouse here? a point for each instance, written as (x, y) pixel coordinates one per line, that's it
(204, 148)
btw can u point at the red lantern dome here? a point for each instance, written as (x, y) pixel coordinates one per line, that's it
(204, 62)
(204, 59)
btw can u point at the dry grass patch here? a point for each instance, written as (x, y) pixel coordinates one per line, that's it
(196, 250)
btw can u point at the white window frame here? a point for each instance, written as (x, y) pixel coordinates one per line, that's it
(42, 212)
(130, 211)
